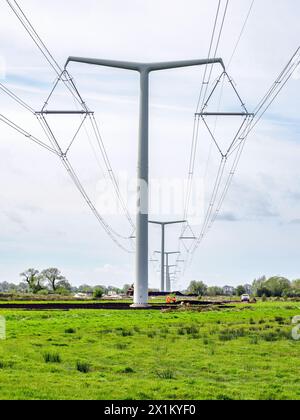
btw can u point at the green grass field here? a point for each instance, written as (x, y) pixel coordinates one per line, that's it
(245, 352)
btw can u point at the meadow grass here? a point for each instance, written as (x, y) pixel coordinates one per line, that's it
(242, 352)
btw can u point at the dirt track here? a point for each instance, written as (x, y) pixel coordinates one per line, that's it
(111, 305)
(68, 306)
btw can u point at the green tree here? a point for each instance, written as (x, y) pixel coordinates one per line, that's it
(34, 280)
(98, 293)
(22, 287)
(296, 284)
(64, 288)
(214, 291)
(126, 287)
(258, 284)
(85, 288)
(54, 279)
(240, 290)
(197, 288)
(277, 286)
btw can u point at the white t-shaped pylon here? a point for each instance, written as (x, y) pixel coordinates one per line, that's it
(141, 282)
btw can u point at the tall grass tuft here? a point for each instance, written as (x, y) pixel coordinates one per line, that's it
(254, 340)
(137, 329)
(229, 335)
(192, 330)
(127, 370)
(126, 333)
(277, 335)
(167, 374)
(52, 358)
(5, 365)
(121, 346)
(181, 331)
(83, 367)
(70, 331)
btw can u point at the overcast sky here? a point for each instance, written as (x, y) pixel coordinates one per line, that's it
(43, 219)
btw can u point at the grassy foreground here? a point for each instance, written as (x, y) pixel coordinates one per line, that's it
(245, 352)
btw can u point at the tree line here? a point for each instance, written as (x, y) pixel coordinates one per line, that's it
(262, 287)
(34, 281)
(276, 287)
(51, 280)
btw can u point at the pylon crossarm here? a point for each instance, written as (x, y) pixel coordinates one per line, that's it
(142, 67)
(64, 112)
(224, 114)
(188, 237)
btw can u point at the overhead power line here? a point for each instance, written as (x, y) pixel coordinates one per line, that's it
(99, 140)
(56, 149)
(195, 136)
(19, 13)
(16, 98)
(209, 51)
(66, 163)
(34, 35)
(262, 107)
(241, 34)
(277, 87)
(64, 76)
(29, 136)
(217, 30)
(110, 170)
(205, 83)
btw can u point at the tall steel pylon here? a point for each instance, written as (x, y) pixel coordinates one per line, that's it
(162, 264)
(144, 69)
(167, 267)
